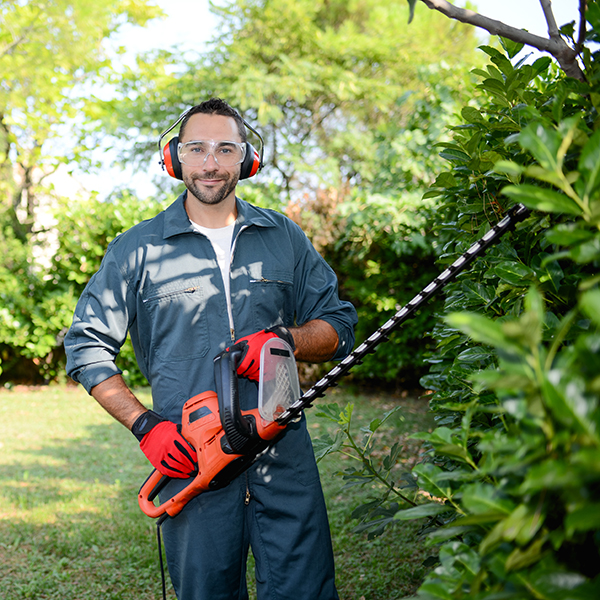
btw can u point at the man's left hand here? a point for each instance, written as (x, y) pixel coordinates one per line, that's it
(251, 345)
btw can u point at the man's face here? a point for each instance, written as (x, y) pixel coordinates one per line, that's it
(211, 183)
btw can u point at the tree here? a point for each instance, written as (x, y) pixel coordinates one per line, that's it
(49, 52)
(565, 51)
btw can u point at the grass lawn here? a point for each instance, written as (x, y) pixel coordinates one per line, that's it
(71, 529)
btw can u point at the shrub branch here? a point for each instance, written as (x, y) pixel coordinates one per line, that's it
(554, 44)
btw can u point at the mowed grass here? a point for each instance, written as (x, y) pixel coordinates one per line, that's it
(71, 528)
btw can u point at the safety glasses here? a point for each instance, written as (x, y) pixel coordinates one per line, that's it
(225, 153)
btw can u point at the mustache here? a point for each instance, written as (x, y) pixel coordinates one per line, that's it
(211, 175)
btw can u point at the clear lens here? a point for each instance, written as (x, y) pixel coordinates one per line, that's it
(226, 154)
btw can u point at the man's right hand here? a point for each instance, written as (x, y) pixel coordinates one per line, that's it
(167, 450)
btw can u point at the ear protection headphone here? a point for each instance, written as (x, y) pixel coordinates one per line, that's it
(169, 159)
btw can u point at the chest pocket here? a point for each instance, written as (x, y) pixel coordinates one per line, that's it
(272, 299)
(177, 316)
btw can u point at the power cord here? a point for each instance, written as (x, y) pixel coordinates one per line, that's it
(160, 521)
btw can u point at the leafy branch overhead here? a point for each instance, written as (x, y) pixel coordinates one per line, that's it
(554, 44)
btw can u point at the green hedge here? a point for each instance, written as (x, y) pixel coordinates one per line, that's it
(509, 488)
(514, 464)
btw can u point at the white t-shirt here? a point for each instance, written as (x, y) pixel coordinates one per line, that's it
(221, 241)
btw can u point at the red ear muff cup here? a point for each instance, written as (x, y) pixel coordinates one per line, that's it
(171, 160)
(251, 162)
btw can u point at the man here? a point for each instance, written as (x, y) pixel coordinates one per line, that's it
(210, 271)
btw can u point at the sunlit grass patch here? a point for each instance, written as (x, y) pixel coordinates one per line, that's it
(71, 528)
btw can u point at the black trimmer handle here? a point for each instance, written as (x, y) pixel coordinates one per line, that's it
(240, 435)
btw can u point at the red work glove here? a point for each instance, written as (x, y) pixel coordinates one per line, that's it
(251, 345)
(167, 450)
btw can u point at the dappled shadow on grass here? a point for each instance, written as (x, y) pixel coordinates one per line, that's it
(77, 557)
(389, 567)
(61, 470)
(106, 452)
(70, 525)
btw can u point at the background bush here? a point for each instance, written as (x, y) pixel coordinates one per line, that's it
(38, 303)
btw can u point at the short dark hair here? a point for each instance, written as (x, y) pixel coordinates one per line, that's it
(215, 106)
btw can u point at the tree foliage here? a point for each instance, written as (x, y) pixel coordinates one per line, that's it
(349, 110)
(564, 44)
(321, 80)
(37, 307)
(49, 52)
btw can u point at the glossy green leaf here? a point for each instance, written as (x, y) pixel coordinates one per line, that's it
(430, 478)
(472, 115)
(512, 48)
(493, 86)
(435, 591)
(481, 498)
(543, 143)
(512, 272)
(446, 533)
(555, 583)
(550, 475)
(521, 558)
(542, 199)
(592, 15)
(458, 555)
(474, 354)
(568, 235)
(589, 163)
(541, 64)
(482, 330)
(587, 251)
(453, 155)
(423, 510)
(589, 303)
(509, 168)
(521, 526)
(455, 451)
(569, 404)
(585, 518)
(445, 180)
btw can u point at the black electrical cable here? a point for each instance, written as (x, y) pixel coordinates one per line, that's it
(160, 521)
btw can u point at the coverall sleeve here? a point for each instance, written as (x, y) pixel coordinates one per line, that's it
(100, 324)
(318, 298)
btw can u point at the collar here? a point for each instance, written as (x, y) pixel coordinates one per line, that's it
(177, 221)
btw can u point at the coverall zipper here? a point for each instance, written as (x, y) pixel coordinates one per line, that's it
(231, 325)
(248, 496)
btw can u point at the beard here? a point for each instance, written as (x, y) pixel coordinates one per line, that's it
(211, 196)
